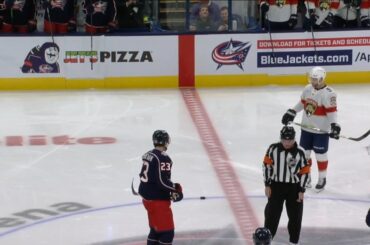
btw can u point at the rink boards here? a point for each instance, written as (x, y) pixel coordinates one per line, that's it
(168, 61)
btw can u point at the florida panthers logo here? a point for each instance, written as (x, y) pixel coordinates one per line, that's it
(310, 107)
(324, 5)
(280, 3)
(231, 53)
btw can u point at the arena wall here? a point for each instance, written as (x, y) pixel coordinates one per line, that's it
(169, 61)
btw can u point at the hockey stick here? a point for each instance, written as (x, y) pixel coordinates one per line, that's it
(323, 131)
(51, 24)
(134, 192)
(310, 11)
(269, 31)
(91, 45)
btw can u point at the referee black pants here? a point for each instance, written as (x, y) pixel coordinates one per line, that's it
(281, 192)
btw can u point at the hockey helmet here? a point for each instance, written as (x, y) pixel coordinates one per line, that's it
(287, 133)
(317, 75)
(161, 138)
(262, 236)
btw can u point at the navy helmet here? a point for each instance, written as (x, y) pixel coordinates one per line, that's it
(161, 138)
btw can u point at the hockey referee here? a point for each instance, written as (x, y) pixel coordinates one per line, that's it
(285, 172)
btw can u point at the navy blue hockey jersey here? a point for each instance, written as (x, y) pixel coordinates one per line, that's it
(155, 176)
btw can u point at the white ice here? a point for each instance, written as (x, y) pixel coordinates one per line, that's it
(98, 176)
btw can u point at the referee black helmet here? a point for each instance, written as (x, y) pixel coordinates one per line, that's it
(287, 133)
(262, 236)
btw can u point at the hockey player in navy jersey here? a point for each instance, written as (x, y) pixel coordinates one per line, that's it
(59, 16)
(319, 104)
(100, 16)
(19, 16)
(157, 190)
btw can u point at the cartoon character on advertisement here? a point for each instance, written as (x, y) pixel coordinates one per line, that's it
(42, 59)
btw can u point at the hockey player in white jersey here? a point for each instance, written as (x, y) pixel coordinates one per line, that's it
(319, 14)
(319, 103)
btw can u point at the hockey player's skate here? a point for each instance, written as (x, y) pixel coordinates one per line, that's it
(320, 185)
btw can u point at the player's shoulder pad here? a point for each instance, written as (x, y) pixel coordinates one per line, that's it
(329, 89)
(148, 156)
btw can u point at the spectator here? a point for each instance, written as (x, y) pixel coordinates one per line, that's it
(204, 21)
(213, 9)
(130, 14)
(319, 14)
(100, 16)
(19, 16)
(278, 15)
(59, 16)
(223, 24)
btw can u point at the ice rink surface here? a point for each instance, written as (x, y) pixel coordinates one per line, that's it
(68, 159)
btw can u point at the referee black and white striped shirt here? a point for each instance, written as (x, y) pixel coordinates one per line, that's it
(285, 165)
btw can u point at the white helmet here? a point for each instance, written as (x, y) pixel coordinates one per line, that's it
(318, 73)
(316, 77)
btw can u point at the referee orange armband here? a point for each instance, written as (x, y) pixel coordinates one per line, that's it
(305, 170)
(267, 160)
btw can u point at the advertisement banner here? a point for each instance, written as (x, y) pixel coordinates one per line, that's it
(89, 57)
(282, 53)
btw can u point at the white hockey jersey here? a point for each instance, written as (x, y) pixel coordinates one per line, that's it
(281, 10)
(321, 9)
(347, 11)
(320, 108)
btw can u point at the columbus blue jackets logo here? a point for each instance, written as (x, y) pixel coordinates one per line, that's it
(42, 59)
(231, 53)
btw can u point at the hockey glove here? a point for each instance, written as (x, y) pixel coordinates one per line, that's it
(328, 21)
(335, 131)
(111, 27)
(313, 17)
(264, 7)
(365, 21)
(31, 25)
(177, 195)
(72, 26)
(292, 21)
(89, 9)
(288, 116)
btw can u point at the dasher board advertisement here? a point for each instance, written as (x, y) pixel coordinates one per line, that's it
(86, 57)
(282, 53)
